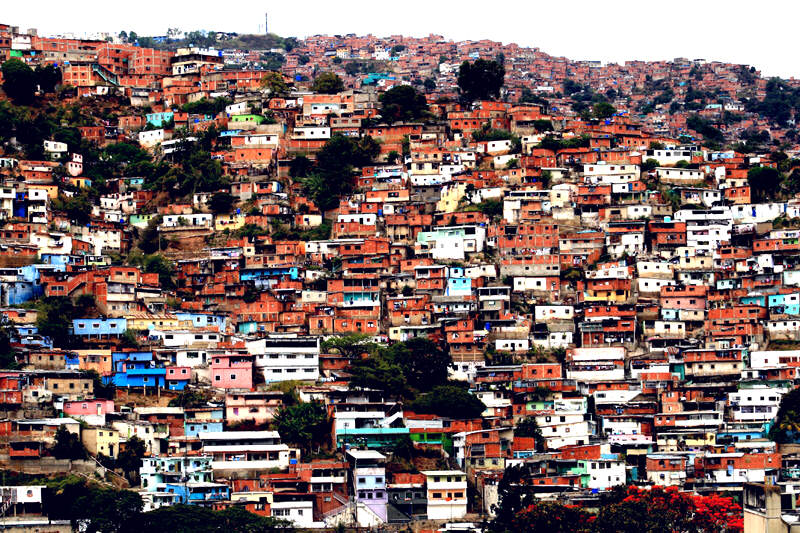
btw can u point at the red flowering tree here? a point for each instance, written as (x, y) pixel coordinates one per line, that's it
(635, 510)
(551, 517)
(669, 510)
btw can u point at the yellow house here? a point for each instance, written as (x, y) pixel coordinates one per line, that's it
(695, 262)
(50, 190)
(99, 440)
(228, 222)
(672, 442)
(80, 182)
(147, 321)
(448, 202)
(98, 360)
(606, 295)
(309, 220)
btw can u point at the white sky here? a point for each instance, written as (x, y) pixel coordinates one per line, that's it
(740, 31)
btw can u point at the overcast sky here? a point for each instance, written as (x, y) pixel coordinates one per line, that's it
(740, 31)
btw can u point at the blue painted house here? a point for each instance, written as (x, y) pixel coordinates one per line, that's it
(203, 419)
(458, 286)
(202, 320)
(98, 328)
(788, 304)
(265, 277)
(199, 493)
(159, 119)
(137, 369)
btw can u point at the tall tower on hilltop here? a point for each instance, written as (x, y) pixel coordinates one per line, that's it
(266, 20)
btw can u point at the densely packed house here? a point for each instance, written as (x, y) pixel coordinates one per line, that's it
(604, 300)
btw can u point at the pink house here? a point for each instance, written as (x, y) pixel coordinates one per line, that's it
(232, 371)
(88, 407)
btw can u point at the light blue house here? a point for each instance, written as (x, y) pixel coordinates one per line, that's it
(458, 287)
(788, 304)
(23, 284)
(160, 119)
(99, 328)
(156, 472)
(669, 314)
(193, 426)
(759, 300)
(202, 320)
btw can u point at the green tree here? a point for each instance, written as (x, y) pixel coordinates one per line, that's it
(327, 83)
(333, 173)
(130, 459)
(272, 60)
(77, 207)
(196, 519)
(274, 82)
(303, 424)
(54, 319)
(403, 103)
(300, 166)
(379, 373)
(67, 445)
(221, 202)
(491, 207)
(528, 427)
(450, 401)
(19, 81)
(150, 239)
(649, 164)
(480, 80)
(423, 363)
(109, 511)
(604, 110)
(47, 77)
(764, 183)
(190, 398)
(350, 345)
(8, 355)
(204, 106)
(786, 428)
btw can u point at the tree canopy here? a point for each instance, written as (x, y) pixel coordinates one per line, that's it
(423, 362)
(786, 428)
(67, 445)
(764, 182)
(130, 458)
(630, 510)
(528, 428)
(480, 80)
(332, 175)
(221, 202)
(450, 401)
(19, 81)
(327, 83)
(403, 103)
(303, 424)
(274, 82)
(604, 110)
